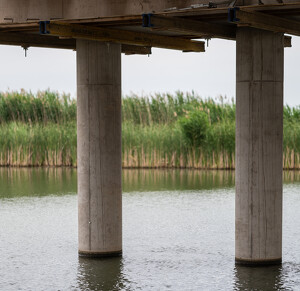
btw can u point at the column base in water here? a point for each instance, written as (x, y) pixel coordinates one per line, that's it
(251, 262)
(95, 255)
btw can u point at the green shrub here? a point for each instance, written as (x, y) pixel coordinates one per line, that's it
(194, 127)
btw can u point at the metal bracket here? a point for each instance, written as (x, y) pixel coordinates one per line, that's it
(232, 14)
(147, 20)
(43, 27)
(25, 50)
(212, 5)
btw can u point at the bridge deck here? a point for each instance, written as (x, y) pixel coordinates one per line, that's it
(176, 26)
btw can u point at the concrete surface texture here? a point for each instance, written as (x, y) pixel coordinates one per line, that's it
(99, 148)
(259, 136)
(22, 11)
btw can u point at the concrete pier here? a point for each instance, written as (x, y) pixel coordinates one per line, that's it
(259, 136)
(99, 148)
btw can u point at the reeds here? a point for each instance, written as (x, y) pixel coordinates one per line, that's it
(37, 130)
(159, 131)
(161, 146)
(181, 131)
(43, 107)
(23, 144)
(167, 109)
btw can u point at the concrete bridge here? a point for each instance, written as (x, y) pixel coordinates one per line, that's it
(100, 30)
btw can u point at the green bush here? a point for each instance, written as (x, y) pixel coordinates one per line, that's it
(194, 127)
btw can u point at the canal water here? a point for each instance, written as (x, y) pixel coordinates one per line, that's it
(178, 234)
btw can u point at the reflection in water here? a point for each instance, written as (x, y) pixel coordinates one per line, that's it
(18, 182)
(100, 274)
(173, 179)
(158, 180)
(291, 177)
(258, 278)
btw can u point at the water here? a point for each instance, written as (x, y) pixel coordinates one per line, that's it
(178, 234)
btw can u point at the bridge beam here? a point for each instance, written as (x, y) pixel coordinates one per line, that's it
(259, 136)
(99, 148)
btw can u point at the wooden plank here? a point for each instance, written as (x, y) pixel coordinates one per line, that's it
(124, 37)
(190, 26)
(35, 40)
(264, 21)
(128, 49)
(11, 27)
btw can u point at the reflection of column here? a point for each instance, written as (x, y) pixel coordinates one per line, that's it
(257, 278)
(99, 148)
(103, 274)
(259, 135)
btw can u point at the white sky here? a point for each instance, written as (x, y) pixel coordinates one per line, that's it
(209, 74)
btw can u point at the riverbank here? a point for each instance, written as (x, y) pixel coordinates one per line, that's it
(161, 131)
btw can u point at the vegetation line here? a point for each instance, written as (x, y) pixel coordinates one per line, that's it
(181, 130)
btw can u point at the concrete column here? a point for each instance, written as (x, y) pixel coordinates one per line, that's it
(259, 136)
(99, 148)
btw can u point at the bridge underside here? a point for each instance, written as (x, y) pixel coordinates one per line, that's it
(100, 35)
(174, 26)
